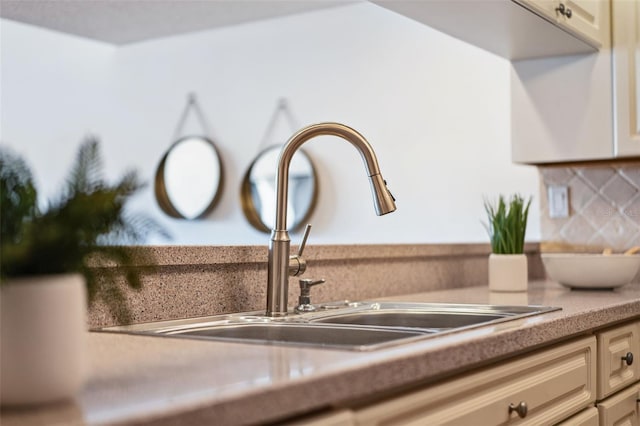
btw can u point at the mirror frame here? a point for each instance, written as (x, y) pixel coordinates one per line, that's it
(160, 188)
(249, 207)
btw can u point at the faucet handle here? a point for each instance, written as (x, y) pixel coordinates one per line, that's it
(305, 236)
(297, 264)
(304, 300)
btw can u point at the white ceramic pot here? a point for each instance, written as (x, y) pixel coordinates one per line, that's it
(508, 272)
(43, 334)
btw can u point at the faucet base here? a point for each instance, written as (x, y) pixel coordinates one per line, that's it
(278, 274)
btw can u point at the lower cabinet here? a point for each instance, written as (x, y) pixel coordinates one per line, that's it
(589, 381)
(617, 367)
(587, 417)
(342, 417)
(621, 408)
(541, 388)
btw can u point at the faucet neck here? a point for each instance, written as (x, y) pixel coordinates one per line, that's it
(302, 136)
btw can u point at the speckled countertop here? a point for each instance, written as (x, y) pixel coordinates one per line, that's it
(151, 380)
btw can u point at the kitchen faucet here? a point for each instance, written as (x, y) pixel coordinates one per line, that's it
(281, 265)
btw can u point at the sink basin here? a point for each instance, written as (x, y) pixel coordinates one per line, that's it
(353, 326)
(431, 317)
(301, 334)
(411, 319)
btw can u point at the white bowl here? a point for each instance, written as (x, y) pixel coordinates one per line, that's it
(579, 270)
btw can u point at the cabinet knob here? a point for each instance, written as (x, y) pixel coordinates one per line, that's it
(521, 409)
(628, 358)
(564, 11)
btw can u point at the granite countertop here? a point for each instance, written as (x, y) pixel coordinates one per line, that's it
(152, 380)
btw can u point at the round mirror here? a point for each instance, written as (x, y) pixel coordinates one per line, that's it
(189, 178)
(258, 192)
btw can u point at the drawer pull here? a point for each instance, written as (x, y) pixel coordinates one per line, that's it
(564, 11)
(521, 409)
(628, 358)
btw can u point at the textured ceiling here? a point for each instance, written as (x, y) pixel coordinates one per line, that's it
(129, 21)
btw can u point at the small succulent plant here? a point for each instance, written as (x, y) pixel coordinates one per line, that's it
(507, 224)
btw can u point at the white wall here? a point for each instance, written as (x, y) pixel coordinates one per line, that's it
(436, 111)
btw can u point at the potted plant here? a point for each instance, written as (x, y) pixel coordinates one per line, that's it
(507, 225)
(46, 272)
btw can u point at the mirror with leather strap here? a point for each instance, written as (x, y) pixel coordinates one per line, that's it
(189, 178)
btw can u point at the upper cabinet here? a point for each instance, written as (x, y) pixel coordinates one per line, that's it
(580, 108)
(574, 70)
(516, 30)
(587, 20)
(626, 76)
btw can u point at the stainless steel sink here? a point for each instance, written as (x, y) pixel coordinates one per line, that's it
(411, 319)
(432, 317)
(301, 334)
(353, 326)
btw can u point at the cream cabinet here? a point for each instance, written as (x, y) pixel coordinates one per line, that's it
(573, 92)
(515, 29)
(541, 388)
(341, 417)
(618, 390)
(618, 358)
(586, 19)
(588, 381)
(580, 108)
(621, 408)
(626, 76)
(587, 417)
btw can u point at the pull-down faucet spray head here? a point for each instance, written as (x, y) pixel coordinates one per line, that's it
(383, 201)
(278, 269)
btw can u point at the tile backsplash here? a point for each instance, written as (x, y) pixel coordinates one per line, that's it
(604, 205)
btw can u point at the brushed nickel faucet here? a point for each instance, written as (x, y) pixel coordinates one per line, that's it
(281, 265)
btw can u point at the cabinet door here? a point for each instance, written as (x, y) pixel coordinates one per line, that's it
(552, 384)
(626, 74)
(618, 358)
(588, 417)
(335, 418)
(621, 409)
(588, 19)
(544, 8)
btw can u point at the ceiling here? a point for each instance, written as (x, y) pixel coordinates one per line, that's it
(129, 21)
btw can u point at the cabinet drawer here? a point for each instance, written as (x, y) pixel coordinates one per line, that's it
(588, 417)
(621, 408)
(614, 344)
(336, 418)
(553, 383)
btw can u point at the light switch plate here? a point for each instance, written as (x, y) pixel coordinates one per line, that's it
(558, 196)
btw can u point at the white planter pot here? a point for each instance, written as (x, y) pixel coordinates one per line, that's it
(43, 334)
(508, 272)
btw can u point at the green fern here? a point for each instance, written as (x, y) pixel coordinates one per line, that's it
(507, 224)
(86, 221)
